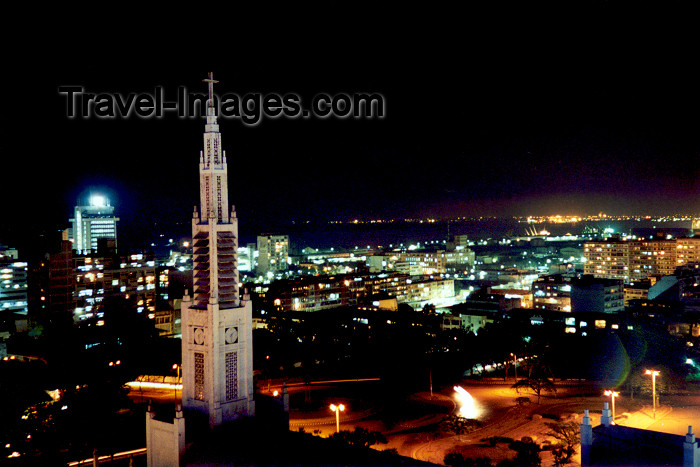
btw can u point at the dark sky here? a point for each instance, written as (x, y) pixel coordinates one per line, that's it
(488, 112)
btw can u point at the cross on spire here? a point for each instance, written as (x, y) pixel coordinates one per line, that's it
(211, 82)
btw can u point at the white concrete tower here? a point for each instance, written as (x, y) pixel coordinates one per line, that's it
(217, 334)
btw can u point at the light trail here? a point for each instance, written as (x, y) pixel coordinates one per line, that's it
(153, 385)
(468, 407)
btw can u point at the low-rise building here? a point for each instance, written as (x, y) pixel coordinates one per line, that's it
(598, 295)
(587, 293)
(452, 323)
(435, 292)
(419, 263)
(315, 293)
(636, 291)
(552, 293)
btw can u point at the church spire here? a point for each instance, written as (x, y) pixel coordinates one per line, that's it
(213, 171)
(217, 352)
(212, 126)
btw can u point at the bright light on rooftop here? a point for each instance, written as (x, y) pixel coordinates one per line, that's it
(98, 201)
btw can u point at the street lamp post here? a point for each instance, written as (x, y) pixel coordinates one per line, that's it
(515, 365)
(613, 395)
(653, 374)
(176, 367)
(337, 409)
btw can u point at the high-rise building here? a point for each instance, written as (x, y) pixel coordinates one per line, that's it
(217, 337)
(609, 258)
(91, 222)
(635, 260)
(658, 256)
(78, 283)
(273, 251)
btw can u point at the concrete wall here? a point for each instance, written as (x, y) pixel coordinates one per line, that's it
(165, 441)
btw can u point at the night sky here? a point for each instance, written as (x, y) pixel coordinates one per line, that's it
(503, 112)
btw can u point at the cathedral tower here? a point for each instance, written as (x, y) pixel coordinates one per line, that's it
(217, 336)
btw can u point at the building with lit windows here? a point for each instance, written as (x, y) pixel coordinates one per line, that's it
(658, 256)
(637, 290)
(552, 293)
(13, 284)
(316, 293)
(422, 262)
(610, 258)
(91, 222)
(587, 293)
(460, 258)
(78, 283)
(419, 263)
(437, 292)
(688, 250)
(273, 253)
(635, 260)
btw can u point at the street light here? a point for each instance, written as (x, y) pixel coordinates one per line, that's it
(515, 365)
(613, 395)
(337, 409)
(653, 374)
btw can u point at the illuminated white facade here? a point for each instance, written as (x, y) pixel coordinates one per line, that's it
(91, 222)
(695, 226)
(217, 350)
(418, 263)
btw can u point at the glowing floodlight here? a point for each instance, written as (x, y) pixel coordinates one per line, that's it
(98, 201)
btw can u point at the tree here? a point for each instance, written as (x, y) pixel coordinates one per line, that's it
(568, 436)
(538, 378)
(537, 384)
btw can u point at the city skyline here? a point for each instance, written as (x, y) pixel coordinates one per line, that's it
(482, 122)
(510, 238)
